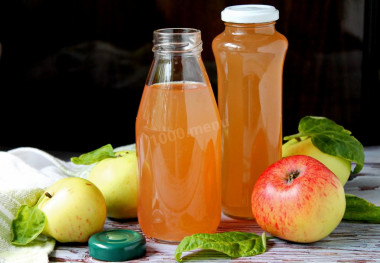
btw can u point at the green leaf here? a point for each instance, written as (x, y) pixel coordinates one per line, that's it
(28, 224)
(331, 138)
(359, 209)
(233, 244)
(94, 156)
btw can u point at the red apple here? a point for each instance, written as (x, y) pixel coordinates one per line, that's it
(298, 199)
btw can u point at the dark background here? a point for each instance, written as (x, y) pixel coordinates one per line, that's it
(72, 71)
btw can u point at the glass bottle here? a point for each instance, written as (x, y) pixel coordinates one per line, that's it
(178, 136)
(249, 55)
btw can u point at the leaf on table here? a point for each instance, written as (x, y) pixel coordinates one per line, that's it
(28, 224)
(234, 244)
(359, 209)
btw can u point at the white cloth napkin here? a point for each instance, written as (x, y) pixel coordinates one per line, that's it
(24, 175)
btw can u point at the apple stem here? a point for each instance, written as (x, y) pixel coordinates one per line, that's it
(120, 155)
(48, 195)
(293, 175)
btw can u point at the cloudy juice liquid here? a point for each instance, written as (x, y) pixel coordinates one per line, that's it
(178, 144)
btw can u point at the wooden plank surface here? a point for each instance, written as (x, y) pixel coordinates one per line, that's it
(349, 242)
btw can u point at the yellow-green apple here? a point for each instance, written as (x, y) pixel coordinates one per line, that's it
(298, 199)
(339, 166)
(75, 209)
(117, 179)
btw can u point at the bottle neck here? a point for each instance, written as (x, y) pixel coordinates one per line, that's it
(257, 28)
(168, 55)
(177, 56)
(177, 41)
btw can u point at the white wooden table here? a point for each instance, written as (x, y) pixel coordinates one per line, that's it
(349, 242)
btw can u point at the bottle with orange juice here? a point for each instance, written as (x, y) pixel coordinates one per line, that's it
(178, 138)
(249, 55)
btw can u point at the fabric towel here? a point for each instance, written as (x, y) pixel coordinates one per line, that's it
(24, 175)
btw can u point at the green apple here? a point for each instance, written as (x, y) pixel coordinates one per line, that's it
(75, 209)
(117, 179)
(339, 166)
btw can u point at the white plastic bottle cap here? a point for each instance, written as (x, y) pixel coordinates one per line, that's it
(250, 14)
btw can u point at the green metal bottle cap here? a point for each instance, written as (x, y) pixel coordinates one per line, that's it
(117, 245)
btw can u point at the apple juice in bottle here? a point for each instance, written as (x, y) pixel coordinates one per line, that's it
(178, 137)
(249, 55)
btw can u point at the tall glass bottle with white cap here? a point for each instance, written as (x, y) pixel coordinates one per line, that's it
(249, 55)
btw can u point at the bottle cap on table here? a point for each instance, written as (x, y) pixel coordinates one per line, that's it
(117, 245)
(250, 14)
